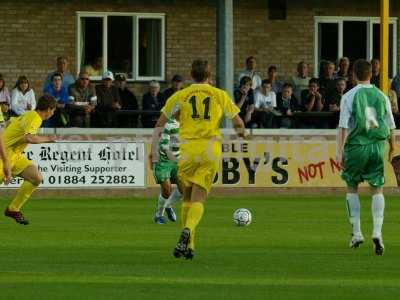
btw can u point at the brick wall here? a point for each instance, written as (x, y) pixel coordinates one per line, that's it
(33, 33)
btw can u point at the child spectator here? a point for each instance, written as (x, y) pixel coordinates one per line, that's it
(264, 104)
(22, 97)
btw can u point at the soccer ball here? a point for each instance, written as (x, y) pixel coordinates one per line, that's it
(242, 217)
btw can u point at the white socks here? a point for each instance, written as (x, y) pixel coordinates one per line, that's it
(160, 205)
(377, 207)
(174, 198)
(353, 208)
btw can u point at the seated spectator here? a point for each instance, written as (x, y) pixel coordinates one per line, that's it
(62, 67)
(264, 104)
(244, 99)
(83, 100)
(395, 85)
(153, 100)
(327, 79)
(60, 93)
(273, 77)
(287, 104)
(176, 85)
(313, 101)
(5, 99)
(95, 69)
(393, 101)
(333, 101)
(251, 72)
(22, 97)
(128, 102)
(351, 82)
(300, 81)
(344, 65)
(108, 102)
(376, 67)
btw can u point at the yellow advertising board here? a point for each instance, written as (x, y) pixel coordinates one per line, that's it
(287, 163)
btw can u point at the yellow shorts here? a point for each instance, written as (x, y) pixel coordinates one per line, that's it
(18, 163)
(199, 162)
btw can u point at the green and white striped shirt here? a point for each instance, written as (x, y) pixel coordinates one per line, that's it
(169, 140)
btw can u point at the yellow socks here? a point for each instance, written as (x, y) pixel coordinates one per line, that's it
(23, 194)
(194, 215)
(184, 212)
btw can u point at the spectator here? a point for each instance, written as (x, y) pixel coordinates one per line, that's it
(393, 101)
(176, 85)
(333, 99)
(244, 99)
(60, 93)
(95, 69)
(108, 101)
(300, 81)
(273, 77)
(5, 99)
(376, 67)
(153, 100)
(327, 79)
(312, 99)
(287, 104)
(344, 65)
(251, 72)
(83, 100)
(22, 97)
(264, 104)
(396, 85)
(128, 102)
(351, 82)
(62, 67)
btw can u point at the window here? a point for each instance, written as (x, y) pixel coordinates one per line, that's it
(132, 44)
(354, 37)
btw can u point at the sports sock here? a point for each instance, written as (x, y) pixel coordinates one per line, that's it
(23, 194)
(353, 208)
(194, 215)
(192, 237)
(184, 211)
(160, 205)
(378, 207)
(174, 198)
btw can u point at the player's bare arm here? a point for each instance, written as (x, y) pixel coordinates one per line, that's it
(39, 139)
(341, 140)
(391, 145)
(4, 159)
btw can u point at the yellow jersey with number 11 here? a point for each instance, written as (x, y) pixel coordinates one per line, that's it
(201, 108)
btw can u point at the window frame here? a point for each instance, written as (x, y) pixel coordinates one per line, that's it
(135, 41)
(370, 23)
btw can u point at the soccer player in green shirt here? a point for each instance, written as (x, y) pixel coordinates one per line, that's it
(165, 157)
(366, 124)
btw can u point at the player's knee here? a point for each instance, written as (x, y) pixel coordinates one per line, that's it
(166, 192)
(37, 179)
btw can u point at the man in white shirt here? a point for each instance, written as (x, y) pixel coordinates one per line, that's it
(264, 104)
(250, 71)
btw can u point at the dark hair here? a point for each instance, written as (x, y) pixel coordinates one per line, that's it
(4, 82)
(266, 81)
(272, 68)
(200, 70)
(313, 80)
(340, 79)
(287, 85)
(45, 102)
(362, 69)
(249, 58)
(20, 80)
(245, 80)
(56, 74)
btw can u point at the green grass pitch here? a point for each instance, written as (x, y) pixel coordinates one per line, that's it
(296, 248)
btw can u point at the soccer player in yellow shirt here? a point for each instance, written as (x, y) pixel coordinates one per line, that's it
(19, 133)
(201, 108)
(3, 157)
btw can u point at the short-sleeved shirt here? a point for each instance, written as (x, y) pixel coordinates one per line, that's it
(28, 123)
(169, 140)
(366, 112)
(264, 101)
(201, 108)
